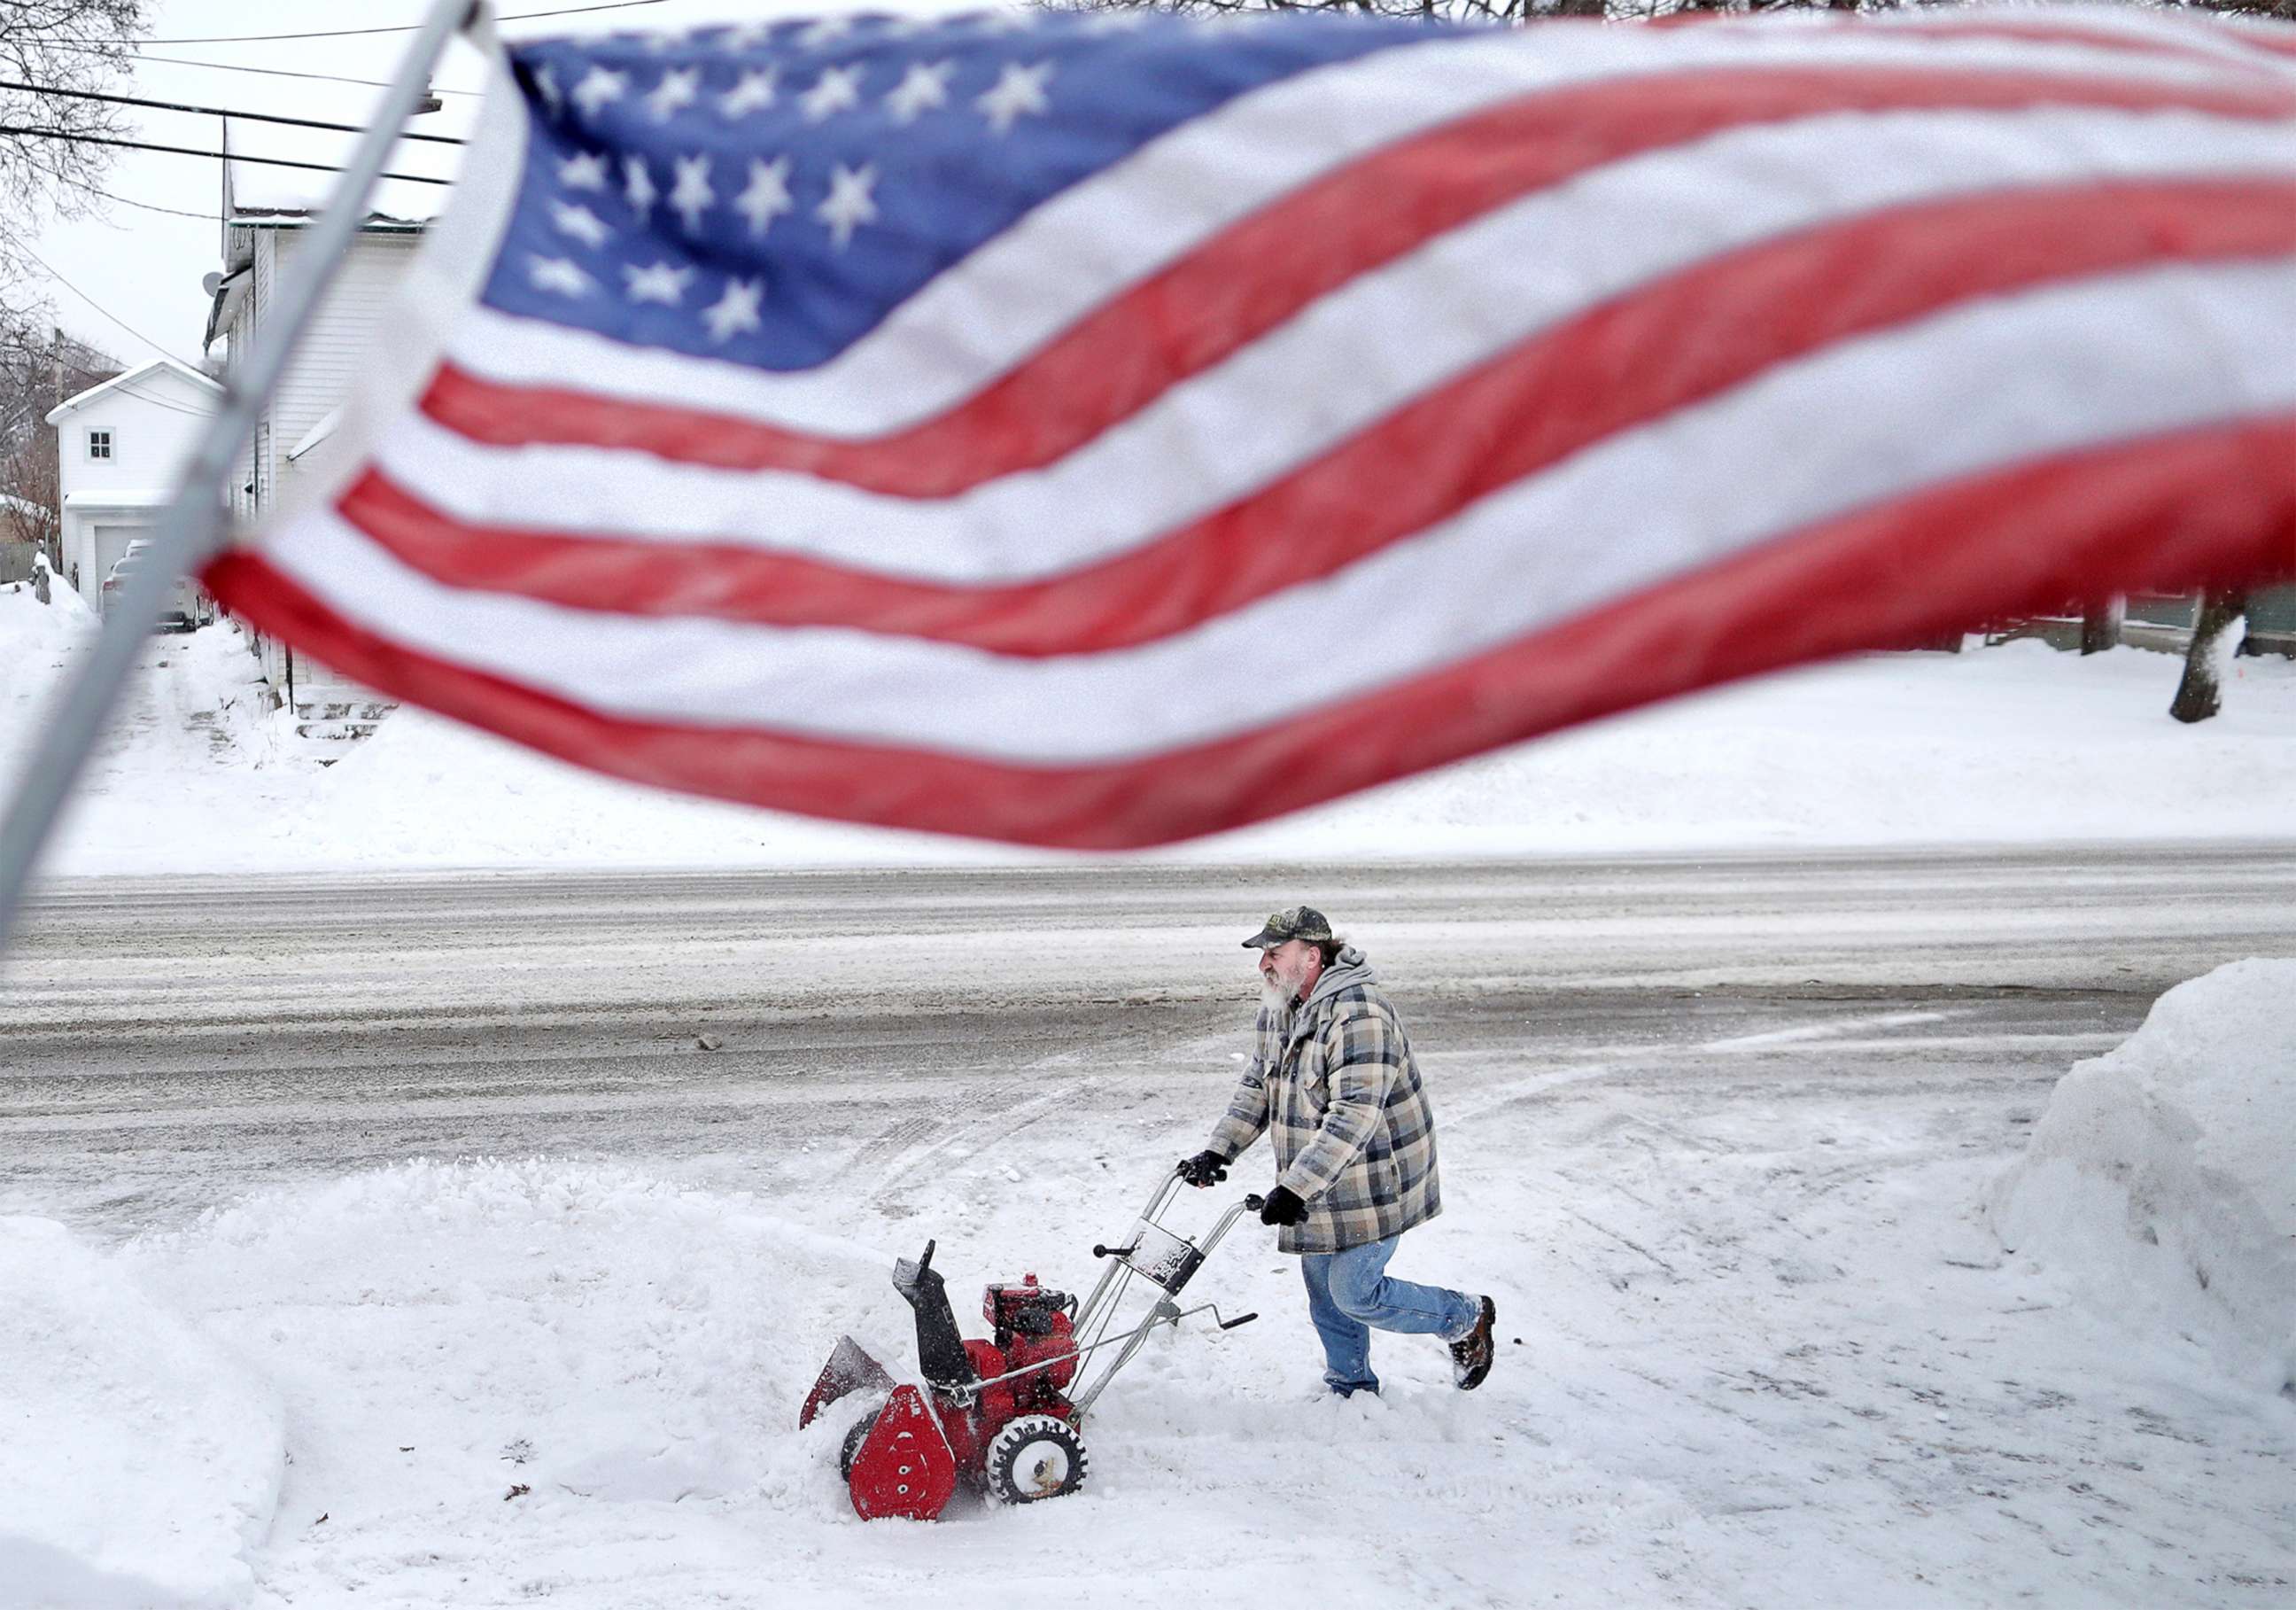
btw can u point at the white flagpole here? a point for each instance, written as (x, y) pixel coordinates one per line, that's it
(193, 528)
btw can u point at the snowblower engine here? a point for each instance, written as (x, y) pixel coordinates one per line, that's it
(1032, 1327)
(997, 1415)
(998, 1419)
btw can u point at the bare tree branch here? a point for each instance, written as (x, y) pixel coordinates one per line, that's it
(38, 371)
(55, 45)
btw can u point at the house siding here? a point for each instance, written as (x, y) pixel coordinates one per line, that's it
(327, 359)
(334, 347)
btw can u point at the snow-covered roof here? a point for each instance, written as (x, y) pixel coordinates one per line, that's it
(263, 195)
(122, 381)
(257, 195)
(118, 500)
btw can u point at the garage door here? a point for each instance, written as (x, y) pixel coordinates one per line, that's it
(109, 543)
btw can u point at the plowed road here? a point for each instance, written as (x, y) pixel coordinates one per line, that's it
(170, 1044)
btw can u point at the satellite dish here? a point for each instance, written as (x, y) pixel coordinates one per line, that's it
(210, 283)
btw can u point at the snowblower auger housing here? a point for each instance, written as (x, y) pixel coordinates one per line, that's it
(997, 1416)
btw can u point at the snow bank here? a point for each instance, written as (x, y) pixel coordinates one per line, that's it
(37, 642)
(138, 1462)
(2162, 1179)
(443, 1331)
(565, 1378)
(26, 621)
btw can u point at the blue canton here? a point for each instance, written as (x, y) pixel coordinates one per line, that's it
(768, 194)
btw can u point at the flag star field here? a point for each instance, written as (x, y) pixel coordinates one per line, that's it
(839, 168)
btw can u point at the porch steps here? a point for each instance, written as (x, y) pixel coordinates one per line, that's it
(339, 721)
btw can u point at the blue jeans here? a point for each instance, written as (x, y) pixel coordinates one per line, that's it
(1349, 1293)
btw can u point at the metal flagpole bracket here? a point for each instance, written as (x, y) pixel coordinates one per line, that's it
(193, 528)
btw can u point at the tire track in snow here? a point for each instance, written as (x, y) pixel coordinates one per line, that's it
(1499, 1097)
(900, 1151)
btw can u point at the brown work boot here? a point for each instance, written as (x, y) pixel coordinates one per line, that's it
(1471, 1354)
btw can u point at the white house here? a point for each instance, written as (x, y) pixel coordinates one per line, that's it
(119, 447)
(267, 216)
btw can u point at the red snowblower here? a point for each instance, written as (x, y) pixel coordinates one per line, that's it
(1001, 1416)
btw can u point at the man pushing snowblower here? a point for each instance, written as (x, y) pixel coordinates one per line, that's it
(1333, 1077)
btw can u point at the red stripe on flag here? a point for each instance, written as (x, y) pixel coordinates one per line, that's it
(2166, 512)
(1259, 272)
(2273, 38)
(1663, 347)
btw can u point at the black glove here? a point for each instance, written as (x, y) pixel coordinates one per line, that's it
(1204, 1168)
(1282, 1207)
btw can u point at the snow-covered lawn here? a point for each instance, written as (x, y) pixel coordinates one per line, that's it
(2011, 743)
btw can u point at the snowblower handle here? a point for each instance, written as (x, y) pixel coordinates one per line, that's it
(1099, 1251)
(1254, 1203)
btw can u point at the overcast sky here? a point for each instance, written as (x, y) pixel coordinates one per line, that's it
(142, 267)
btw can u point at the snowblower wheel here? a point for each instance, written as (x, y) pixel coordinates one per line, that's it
(853, 1440)
(1035, 1457)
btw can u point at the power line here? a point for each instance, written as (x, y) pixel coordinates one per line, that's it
(282, 72)
(129, 201)
(125, 201)
(268, 72)
(217, 111)
(146, 396)
(342, 33)
(192, 150)
(99, 307)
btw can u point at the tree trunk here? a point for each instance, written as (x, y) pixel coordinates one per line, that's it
(2197, 694)
(2101, 626)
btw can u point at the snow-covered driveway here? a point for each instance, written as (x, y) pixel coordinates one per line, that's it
(1716, 1133)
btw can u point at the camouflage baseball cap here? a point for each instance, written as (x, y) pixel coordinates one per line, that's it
(1297, 922)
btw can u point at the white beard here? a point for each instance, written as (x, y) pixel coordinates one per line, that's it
(1274, 996)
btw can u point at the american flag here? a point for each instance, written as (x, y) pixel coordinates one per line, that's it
(1095, 430)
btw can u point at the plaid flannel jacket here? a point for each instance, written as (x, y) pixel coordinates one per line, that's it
(1335, 1082)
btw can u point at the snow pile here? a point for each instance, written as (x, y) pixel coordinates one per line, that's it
(37, 642)
(28, 626)
(443, 1332)
(139, 1463)
(566, 1378)
(2162, 1178)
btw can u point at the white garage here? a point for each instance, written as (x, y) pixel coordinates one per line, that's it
(119, 447)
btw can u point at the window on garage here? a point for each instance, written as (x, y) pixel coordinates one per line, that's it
(99, 442)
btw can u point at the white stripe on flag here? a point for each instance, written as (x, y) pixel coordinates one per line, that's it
(1359, 353)
(1986, 386)
(1090, 243)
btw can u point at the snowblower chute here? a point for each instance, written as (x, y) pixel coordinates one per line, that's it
(997, 1415)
